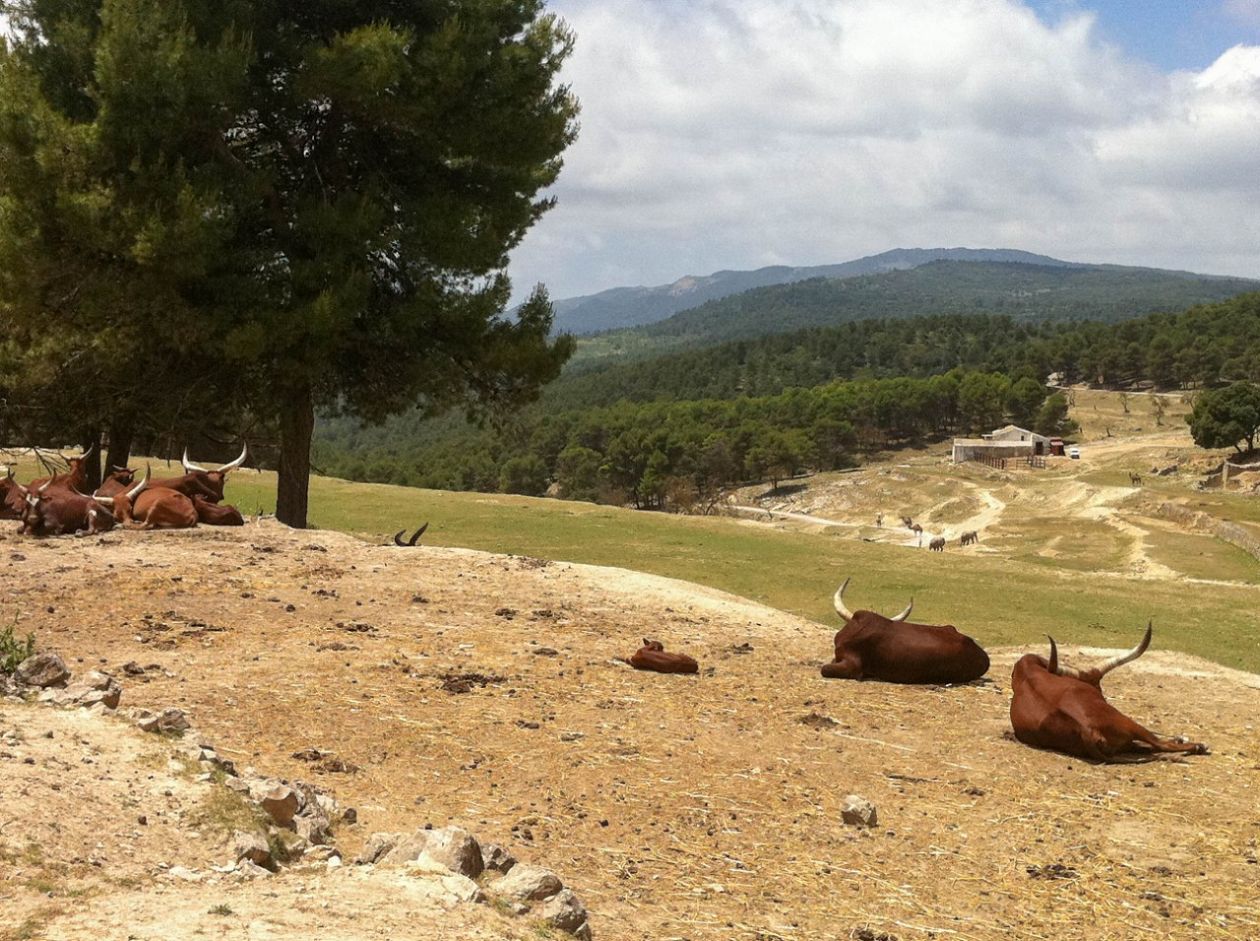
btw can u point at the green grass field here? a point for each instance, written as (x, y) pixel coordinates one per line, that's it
(999, 601)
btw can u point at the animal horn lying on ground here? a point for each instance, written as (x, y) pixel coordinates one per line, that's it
(398, 540)
(652, 656)
(872, 646)
(1062, 709)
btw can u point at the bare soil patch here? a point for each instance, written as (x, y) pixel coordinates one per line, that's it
(703, 807)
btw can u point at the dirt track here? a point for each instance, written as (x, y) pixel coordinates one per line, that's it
(698, 808)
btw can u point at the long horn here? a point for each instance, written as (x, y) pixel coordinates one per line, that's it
(904, 614)
(232, 465)
(1055, 666)
(398, 538)
(189, 466)
(103, 501)
(88, 453)
(47, 484)
(838, 601)
(419, 532)
(135, 491)
(1127, 657)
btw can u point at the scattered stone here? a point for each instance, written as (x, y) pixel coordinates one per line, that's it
(496, 858)
(251, 847)
(571, 736)
(508, 613)
(863, 933)
(92, 688)
(168, 720)
(42, 670)
(464, 682)
(314, 828)
(817, 721)
(546, 652)
(292, 845)
(858, 812)
(564, 911)
(378, 845)
(526, 883)
(281, 804)
(183, 874)
(251, 870)
(1052, 871)
(322, 854)
(450, 847)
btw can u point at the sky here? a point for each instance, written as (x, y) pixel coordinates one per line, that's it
(742, 133)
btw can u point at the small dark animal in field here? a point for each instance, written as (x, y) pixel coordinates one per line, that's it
(907, 522)
(398, 540)
(652, 656)
(968, 539)
(917, 530)
(1062, 709)
(937, 544)
(1135, 479)
(879, 520)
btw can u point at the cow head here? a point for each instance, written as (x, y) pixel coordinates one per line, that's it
(1094, 676)
(846, 615)
(653, 645)
(213, 480)
(119, 505)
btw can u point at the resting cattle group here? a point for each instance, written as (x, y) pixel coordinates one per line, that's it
(57, 505)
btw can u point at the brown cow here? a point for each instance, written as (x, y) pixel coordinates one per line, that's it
(197, 480)
(57, 511)
(119, 479)
(652, 656)
(1061, 709)
(75, 478)
(871, 646)
(937, 544)
(12, 502)
(215, 514)
(160, 508)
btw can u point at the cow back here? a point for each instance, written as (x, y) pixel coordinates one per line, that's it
(660, 661)
(904, 652)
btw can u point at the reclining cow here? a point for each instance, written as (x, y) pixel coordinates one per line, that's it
(1062, 709)
(652, 656)
(118, 480)
(196, 480)
(157, 508)
(871, 646)
(217, 514)
(54, 511)
(11, 500)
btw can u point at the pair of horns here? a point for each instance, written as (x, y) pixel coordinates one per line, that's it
(398, 540)
(189, 466)
(845, 613)
(131, 494)
(1104, 668)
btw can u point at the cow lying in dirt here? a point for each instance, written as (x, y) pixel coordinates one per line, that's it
(1062, 709)
(652, 656)
(874, 647)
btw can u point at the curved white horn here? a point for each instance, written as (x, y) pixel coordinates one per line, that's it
(189, 466)
(1127, 657)
(135, 491)
(47, 484)
(904, 614)
(103, 501)
(232, 465)
(838, 600)
(1055, 666)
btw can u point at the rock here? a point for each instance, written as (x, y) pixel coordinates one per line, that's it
(237, 785)
(378, 845)
(564, 911)
(292, 845)
(858, 812)
(92, 688)
(460, 889)
(251, 870)
(452, 848)
(350, 816)
(321, 854)
(314, 828)
(168, 720)
(495, 857)
(183, 874)
(251, 847)
(280, 803)
(42, 670)
(526, 883)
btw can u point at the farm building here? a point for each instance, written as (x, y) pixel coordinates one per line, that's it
(1010, 441)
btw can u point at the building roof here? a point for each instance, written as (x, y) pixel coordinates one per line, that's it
(990, 443)
(1022, 431)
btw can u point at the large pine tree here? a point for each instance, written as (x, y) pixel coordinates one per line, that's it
(298, 206)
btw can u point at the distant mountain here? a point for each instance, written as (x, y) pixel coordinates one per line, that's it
(1024, 292)
(618, 308)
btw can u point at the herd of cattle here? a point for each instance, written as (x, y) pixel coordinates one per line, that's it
(57, 505)
(1054, 706)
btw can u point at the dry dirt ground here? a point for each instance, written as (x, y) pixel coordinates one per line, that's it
(700, 807)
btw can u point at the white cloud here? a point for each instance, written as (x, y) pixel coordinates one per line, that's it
(736, 133)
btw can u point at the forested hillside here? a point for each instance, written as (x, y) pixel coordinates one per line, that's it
(1022, 292)
(672, 431)
(622, 307)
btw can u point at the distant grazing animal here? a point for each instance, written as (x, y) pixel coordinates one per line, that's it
(398, 537)
(1135, 479)
(937, 544)
(197, 480)
(879, 520)
(918, 531)
(967, 539)
(871, 646)
(907, 522)
(652, 656)
(1061, 709)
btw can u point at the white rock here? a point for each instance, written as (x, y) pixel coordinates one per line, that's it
(858, 812)
(525, 883)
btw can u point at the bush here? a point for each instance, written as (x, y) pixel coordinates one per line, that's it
(13, 650)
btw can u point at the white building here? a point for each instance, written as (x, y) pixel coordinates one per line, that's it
(1009, 441)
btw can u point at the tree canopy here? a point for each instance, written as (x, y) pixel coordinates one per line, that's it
(1227, 417)
(279, 207)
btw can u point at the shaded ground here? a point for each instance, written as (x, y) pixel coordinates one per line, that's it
(677, 807)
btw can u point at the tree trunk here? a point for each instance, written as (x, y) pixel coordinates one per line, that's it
(92, 441)
(297, 421)
(120, 439)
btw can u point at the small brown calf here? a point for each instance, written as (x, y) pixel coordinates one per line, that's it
(652, 656)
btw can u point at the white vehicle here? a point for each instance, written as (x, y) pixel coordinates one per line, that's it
(1074, 453)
